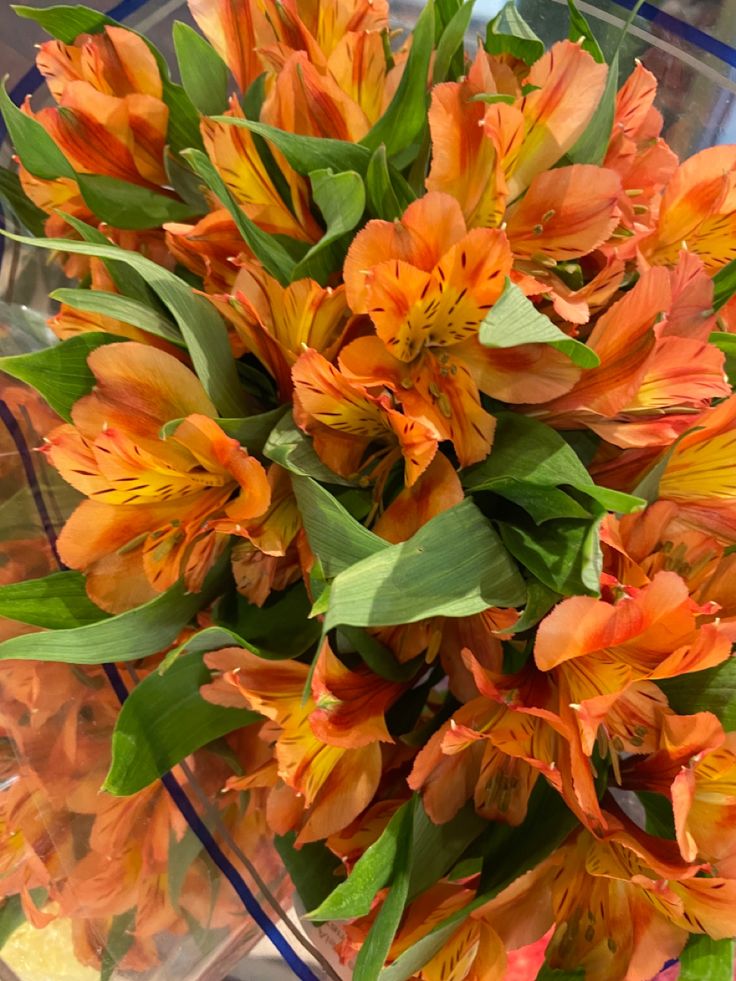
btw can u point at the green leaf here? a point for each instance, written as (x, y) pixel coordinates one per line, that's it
(125, 205)
(65, 22)
(128, 281)
(312, 867)
(163, 720)
(290, 448)
(335, 537)
(15, 198)
(514, 320)
(185, 182)
(539, 601)
(355, 896)
(128, 636)
(122, 308)
(182, 855)
(406, 115)
(580, 29)
(12, 915)
(341, 199)
(704, 959)
(119, 941)
(712, 690)
(204, 75)
(509, 33)
(36, 149)
(377, 944)
(726, 343)
(308, 153)
(724, 285)
(202, 328)
(591, 147)
(660, 820)
(528, 454)
(274, 257)
(432, 574)
(59, 373)
(209, 639)
(380, 659)
(564, 555)
(57, 602)
(279, 629)
(451, 41)
(382, 199)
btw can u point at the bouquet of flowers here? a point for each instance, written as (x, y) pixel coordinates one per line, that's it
(396, 385)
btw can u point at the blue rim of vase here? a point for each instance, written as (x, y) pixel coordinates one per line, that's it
(30, 82)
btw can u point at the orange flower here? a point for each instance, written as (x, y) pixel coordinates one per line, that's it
(344, 420)
(698, 476)
(212, 249)
(277, 323)
(154, 504)
(695, 767)
(697, 211)
(657, 368)
(112, 119)
(233, 152)
(427, 283)
(327, 747)
(601, 651)
(521, 140)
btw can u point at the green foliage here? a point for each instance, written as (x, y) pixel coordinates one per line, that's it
(14, 197)
(59, 373)
(432, 574)
(727, 343)
(712, 690)
(163, 720)
(204, 75)
(406, 116)
(123, 308)
(56, 602)
(341, 198)
(564, 555)
(119, 941)
(201, 326)
(514, 320)
(591, 147)
(128, 636)
(580, 29)
(704, 959)
(510, 34)
(312, 867)
(451, 43)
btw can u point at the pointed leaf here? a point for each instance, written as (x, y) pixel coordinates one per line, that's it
(713, 690)
(125, 205)
(59, 373)
(591, 147)
(335, 537)
(290, 448)
(57, 602)
(35, 148)
(312, 867)
(128, 636)
(406, 115)
(451, 41)
(341, 199)
(580, 28)
(377, 944)
(564, 555)
(121, 308)
(204, 75)
(509, 33)
(14, 197)
(432, 574)
(514, 320)
(203, 330)
(163, 720)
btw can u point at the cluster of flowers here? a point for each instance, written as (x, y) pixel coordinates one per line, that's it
(518, 332)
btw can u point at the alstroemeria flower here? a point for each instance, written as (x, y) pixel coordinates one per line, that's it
(487, 168)
(657, 368)
(111, 118)
(277, 323)
(699, 475)
(327, 748)
(601, 651)
(239, 30)
(153, 504)
(344, 419)
(427, 283)
(697, 211)
(233, 152)
(625, 905)
(212, 249)
(695, 767)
